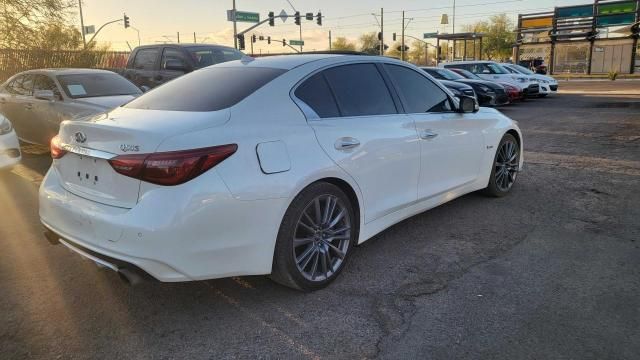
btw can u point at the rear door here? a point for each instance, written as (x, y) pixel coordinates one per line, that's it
(451, 143)
(358, 124)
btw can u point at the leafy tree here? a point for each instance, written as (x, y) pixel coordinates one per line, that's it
(56, 36)
(420, 54)
(341, 43)
(369, 43)
(499, 36)
(24, 23)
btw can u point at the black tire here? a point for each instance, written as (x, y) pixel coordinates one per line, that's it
(496, 187)
(286, 270)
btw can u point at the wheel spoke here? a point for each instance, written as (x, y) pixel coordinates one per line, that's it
(323, 263)
(309, 219)
(341, 230)
(305, 255)
(337, 251)
(338, 217)
(306, 227)
(301, 241)
(316, 204)
(314, 267)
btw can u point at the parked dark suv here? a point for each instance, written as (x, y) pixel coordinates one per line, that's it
(153, 65)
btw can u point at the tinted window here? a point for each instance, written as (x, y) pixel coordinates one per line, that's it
(146, 59)
(360, 90)
(420, 94)
(207, 89)
(97, 84)
(206, 56)
(316, 93)
(43, 82)
(173, 54)
(443, 74)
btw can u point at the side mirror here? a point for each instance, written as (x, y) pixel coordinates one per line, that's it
(44, 95)
(144, 88)
(468, 104)
(175, 65)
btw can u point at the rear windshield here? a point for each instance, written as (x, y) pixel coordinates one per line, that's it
(93, 85)
(208, 89)
(444, 74)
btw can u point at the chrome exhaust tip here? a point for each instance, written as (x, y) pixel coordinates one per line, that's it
(129, 277)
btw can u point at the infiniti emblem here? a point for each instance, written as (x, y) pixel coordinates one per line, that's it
(80, 137)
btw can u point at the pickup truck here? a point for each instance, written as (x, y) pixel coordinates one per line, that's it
(152, 65)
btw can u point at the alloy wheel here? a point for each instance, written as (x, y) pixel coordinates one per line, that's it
(507, 164)
(321, 238)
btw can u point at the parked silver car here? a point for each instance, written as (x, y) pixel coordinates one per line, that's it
(37, 101)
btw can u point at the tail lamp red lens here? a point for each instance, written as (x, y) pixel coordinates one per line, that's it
(174, 167)
(56, 149)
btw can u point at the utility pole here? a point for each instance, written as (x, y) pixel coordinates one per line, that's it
(235, 26)
(402, 46)
(252, 44)
(453, 22)
(84, 40)
(329, 40)
(194, 38)
(178, 37)
(381, 31)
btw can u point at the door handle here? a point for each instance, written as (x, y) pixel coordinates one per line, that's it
(427, 134)
(346, 143)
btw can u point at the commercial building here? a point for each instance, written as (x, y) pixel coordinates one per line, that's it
(594, 38)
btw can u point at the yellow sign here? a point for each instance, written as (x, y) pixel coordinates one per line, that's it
(537, 23)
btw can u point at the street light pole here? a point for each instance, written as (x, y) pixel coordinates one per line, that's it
(381, 31)
(84, 40)
(453, 22)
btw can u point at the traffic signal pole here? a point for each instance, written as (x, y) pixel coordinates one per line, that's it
(235, 26)
(84, 40)
(102, 27)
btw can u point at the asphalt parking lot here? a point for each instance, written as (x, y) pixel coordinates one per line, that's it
(551, 271)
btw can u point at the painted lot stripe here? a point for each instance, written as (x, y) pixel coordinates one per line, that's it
(626, 167)
(28, 174)
(588, 135)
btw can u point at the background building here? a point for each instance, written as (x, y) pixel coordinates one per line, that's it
(594, 38)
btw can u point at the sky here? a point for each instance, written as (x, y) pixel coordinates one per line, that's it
(160, 20)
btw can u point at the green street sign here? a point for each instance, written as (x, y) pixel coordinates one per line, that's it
(244, 16)
(429, 35)
(296, 42)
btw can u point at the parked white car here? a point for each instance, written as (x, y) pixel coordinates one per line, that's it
(277, 165)
(492, 71)
(9, 146)
(548, 85)
(37, 101)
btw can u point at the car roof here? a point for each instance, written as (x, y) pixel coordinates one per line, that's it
(288, 62)
(185, 45)
(469, 62)
(67, 71)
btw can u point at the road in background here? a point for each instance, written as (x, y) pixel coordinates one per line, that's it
(550, 271)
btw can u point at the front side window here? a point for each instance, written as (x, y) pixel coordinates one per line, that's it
(207, 89)
(360, 90)
(146, 59)
(43, 82)
(316, 94)
(94, 85)
(419, 93)
(493, 69)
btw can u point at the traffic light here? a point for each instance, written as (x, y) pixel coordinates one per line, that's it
(269, 40)
(241, 41)
(394, 37)
(319, 18)
(126, 21)
(261, 38)
(297, 18)
(253, 38)
(272, 19)
(284, 42)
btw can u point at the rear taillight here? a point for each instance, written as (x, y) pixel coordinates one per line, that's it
(171, 168)
(56, 148)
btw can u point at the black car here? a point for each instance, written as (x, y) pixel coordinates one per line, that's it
(458, 88)
(487, 92)
(151, 65)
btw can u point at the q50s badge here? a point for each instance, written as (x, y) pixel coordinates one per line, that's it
(129, 148)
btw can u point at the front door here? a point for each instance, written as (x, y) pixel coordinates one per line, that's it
(365, 134)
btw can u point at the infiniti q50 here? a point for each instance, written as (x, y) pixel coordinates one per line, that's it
(278, 165)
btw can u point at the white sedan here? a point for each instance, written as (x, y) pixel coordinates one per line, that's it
(278, 165)
(9, 145)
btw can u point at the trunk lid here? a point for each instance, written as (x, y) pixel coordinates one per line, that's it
(85, 170)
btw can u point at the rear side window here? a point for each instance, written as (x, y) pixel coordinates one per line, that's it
(207, 89)
(360, 90)
(146, 59)
(173, 54)
(420, 94)
(22, 85)
(316, 94)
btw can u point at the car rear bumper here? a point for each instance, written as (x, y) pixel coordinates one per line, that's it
(9, 150)
(173, 234)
